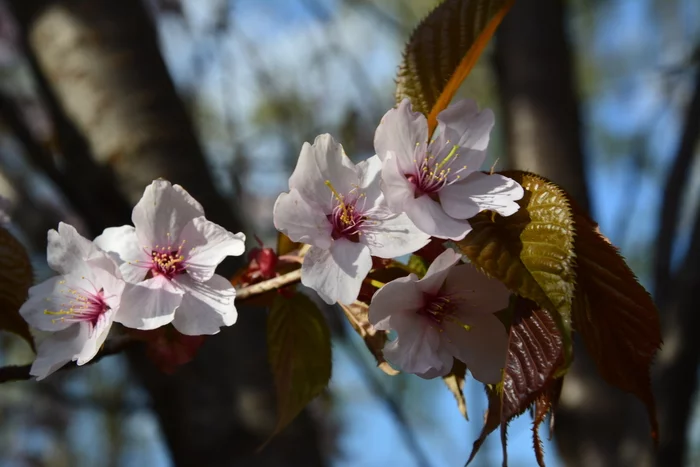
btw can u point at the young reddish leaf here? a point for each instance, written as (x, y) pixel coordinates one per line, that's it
(532, 251)
(15, 280)
(442, 51)
(357, 314)
(546, 403)
(535, 353)
(615, 316)
(299, 347)
(455, 383)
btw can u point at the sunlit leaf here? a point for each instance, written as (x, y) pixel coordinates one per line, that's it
(455, 383)
(546, 403)
(15, 280)
(442, 51)
(285, 245)
(615, 316)
(532, 251)
(418, 265)
(535, 352)
(299, 347)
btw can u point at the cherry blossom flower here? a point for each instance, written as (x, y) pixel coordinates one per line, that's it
(447, 314)
(168, 258)
(437, 182)
(77, 307)
(338, 208)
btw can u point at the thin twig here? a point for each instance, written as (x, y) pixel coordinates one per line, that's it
(673, 192)
(268, 285)
(21, 372)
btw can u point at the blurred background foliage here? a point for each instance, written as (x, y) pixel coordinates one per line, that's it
(260, 77)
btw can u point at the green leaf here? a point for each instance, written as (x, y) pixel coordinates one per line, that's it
(535, 352)
(299, 347)
(455, 383)
(532, 251)
(418, 265)
(442, 51)
(615, 316)
(16, 278)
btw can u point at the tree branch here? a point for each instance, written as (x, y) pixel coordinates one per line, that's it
(672, 194)
(21, 372)
(268, 285)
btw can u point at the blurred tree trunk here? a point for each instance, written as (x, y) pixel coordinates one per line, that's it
(597, 425)
(105, 82)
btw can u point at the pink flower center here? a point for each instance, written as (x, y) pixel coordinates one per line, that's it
(438, 309)
(346, 218)
(431, 174)
(167, 261)
(81, 305)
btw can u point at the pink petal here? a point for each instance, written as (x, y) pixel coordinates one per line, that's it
(482, 348)
(123, 242)
(57, 349)
(205, 245)
(205, 307)
(438, 271)
(337, 274)
(394, 236)
(481, 192)
(398, 191)
(162, 213)
(463, 125)
(149, 304)
(482, 293)
(323, 161)
(302, 220)
(398, 133)
(396, 302)
(429, 216)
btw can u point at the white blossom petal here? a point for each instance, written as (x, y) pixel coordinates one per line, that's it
(206, 244)
(57, 349)
(483, 294)
(463, 125)
(162, 213)
(396, 302)
(301, 220)
(394, 236)
(133, 257)
(398, 191)
(398, 134)
(482, 348)
(429, 216)
(205, 307)
(67, 250)
(337, 274)
(417, 349)
(43, 297)
(369, 174)
(149, 304)
(438, 271)
(323, 161)
(96, 337)
(483, 192)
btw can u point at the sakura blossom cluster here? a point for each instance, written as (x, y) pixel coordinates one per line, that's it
(156, 272)
(415, 188)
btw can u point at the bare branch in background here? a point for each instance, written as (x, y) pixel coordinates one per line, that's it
(672, 196)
